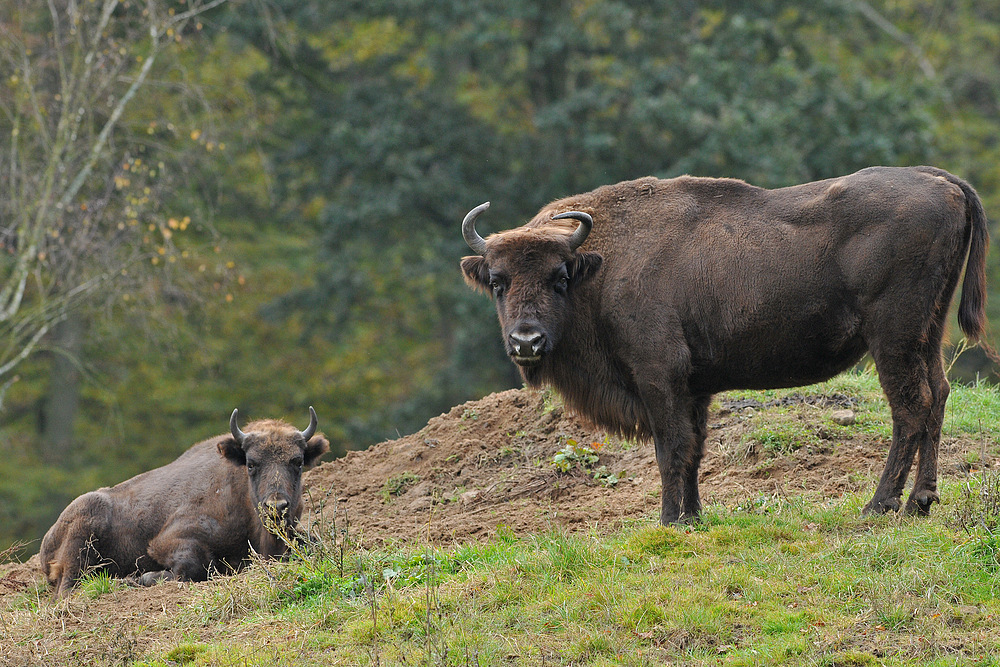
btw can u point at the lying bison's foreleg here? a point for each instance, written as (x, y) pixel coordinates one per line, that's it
(184, 559)
(150, 578)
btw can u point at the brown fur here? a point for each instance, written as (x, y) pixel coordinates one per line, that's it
(189, 517)
(691, 286)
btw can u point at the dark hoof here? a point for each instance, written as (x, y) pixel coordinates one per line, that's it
(881, 506)
(148, 578)
(919, 503)
(689, 519)
(681, 521)
(670, 519)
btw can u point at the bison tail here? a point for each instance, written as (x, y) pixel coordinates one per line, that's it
(972, 307)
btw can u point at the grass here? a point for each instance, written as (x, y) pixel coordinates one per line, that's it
(771, 584)
(970, 410)
(100, 583)
(774, 580)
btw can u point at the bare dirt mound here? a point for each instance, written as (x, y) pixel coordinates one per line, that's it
(492, 463)
(515, 459)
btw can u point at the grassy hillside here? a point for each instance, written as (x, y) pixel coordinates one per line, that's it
(773, 574)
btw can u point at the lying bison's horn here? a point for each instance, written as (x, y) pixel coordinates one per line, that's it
(234, 427)
(472, 237)
(580, 235)
(311, 429)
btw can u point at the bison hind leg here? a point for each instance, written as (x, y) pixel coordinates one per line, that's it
(70, 547)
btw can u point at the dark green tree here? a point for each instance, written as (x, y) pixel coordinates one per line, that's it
(404, 115)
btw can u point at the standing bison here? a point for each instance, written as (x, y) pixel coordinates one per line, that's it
(639, 301)
(203, 512)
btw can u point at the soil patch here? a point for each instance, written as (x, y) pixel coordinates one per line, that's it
(489, 465)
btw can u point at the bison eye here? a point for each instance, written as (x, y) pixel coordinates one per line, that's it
(562, 283)
(297, 462)
(251, 467)
(496, 286)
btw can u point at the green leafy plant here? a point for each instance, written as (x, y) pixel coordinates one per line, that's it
(398, 484)
(574, 455)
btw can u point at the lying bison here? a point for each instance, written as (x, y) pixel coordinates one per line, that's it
(202, 512)
(639, 301)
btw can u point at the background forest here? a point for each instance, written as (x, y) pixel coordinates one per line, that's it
(208, 205)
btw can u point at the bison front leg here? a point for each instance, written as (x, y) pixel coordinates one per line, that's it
(183, 559)
(699, 423)
(677, 459)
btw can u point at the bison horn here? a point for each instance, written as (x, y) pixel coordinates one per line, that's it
(311, 429)
(472, 237)
(580, 235)
(234, 427)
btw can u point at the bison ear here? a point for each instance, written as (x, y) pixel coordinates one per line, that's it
(315, 448)
(231, 450)
(477, 273)
(585, 265)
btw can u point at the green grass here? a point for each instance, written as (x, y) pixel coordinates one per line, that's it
(99, 583)
(776, 583)
(972, 410)
(774, 580)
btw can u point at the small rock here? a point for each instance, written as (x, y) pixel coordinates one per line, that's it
(843, 417)
(422, 489)
(421, 504)
(469, 497)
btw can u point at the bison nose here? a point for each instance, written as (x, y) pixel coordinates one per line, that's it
(277, 505)
(526, 344)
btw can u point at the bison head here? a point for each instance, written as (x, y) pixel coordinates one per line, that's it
(531, 273)
(275, 454)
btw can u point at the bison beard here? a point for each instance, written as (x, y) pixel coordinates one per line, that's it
(669, 291)
(203, 512)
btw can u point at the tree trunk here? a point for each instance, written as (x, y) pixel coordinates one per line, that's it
(60, 405)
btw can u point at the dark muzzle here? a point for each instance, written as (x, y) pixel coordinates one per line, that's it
(526, 347)
(276, 509)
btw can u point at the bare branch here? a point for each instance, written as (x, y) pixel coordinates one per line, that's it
(69, 225)
(194, 11)
(889, 28)
(26, 350)
(102, 138)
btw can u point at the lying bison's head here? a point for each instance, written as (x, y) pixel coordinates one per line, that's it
(275, 454)
(531, 273)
